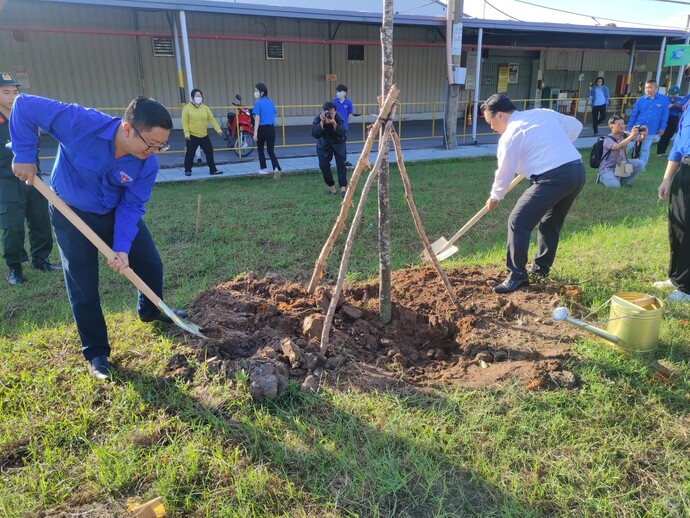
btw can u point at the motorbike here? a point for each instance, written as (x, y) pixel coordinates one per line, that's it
(240, 123)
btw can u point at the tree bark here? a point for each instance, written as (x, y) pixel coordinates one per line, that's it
(384, 206)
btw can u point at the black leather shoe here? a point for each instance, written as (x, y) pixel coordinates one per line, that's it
(216, 172)
(100, 368)
(44, 265)
(348, 164)
(16, 276)
(510, 286)
(160, 317)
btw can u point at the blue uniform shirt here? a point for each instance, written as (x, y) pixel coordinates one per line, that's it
(674, 110)
(343, 108)
(681, 145)
(266, 111)
(650, 112)
(86, 174)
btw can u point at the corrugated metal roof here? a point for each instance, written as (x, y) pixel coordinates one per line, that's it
(432, 15)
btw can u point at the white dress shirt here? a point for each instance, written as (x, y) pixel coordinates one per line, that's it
(534, 142)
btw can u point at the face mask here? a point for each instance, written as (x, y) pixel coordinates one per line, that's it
(256, 94)
(197, 100)
(340, 95)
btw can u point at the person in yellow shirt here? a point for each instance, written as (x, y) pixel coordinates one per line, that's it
(195, 119)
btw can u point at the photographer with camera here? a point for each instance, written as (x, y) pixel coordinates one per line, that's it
(651, 110)
(615, 169)
(329, 130)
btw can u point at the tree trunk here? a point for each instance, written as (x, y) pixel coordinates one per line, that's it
(384, 213)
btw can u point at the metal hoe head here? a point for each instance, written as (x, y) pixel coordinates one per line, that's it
(442, 250)
(181, 322)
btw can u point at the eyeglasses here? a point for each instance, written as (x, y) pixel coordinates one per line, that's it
(152, 149)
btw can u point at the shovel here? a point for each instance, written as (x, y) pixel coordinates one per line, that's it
(443, 248)
(109, 253)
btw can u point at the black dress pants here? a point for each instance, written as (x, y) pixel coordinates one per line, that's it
(678, 225)
(598, 116)
(192, 144)
(671, 127)
(267, 136)
(546, 202)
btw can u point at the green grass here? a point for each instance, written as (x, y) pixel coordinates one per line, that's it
(617, 446)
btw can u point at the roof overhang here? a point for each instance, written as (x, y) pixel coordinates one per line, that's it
(499, 33)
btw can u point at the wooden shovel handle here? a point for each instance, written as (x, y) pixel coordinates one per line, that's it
(94, 238)
(479, 215)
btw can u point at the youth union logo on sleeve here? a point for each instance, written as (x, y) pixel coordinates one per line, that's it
(124, 177)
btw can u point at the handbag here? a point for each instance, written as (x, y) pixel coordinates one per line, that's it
(623, 170)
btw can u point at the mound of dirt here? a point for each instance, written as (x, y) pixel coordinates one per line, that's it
(271, 329)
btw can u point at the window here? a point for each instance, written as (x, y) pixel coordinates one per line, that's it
(274, 50)
(355, 52)
(163, 47)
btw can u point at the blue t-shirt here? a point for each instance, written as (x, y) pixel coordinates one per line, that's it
(86, 174)
(266, 111)
(343, 108)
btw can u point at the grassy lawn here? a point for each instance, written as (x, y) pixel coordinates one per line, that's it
(619, 445)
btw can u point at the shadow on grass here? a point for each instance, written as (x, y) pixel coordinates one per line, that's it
(341, 461)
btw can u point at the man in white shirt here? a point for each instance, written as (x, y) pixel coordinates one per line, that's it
(538, 144)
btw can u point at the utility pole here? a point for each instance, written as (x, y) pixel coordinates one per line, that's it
(455, 73)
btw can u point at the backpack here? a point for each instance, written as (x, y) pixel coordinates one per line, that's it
(597, 154)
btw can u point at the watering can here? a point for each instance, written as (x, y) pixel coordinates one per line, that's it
(633, 324)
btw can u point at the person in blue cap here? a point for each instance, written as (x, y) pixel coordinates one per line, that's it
(674, 110)
(104, 171)
(19, 203)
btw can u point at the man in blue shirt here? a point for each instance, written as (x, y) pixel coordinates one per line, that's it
(105, 170)
(343, 106)
(651, 111)
(676, 187)
(675, 105)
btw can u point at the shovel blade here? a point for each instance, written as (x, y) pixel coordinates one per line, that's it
(442, 250)
(181, 322)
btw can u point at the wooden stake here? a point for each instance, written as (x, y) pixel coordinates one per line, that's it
(362, 164)
(418, 222)
(383, 150)
(198, 218)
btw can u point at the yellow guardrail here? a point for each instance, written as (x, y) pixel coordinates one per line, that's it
(430, 111)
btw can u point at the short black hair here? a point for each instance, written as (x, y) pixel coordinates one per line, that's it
(145, 113)
(341, 88)
(261, 88)
(328, 105)
(195, 91)
(498, 103)
(597, 79)
(614, 118)
(649, 81)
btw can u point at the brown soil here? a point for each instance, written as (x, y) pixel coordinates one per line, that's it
(271, 329)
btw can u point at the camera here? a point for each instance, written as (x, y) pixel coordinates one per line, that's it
(642, 129)
(329, 115)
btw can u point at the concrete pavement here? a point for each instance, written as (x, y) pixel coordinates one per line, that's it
(310, 163)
